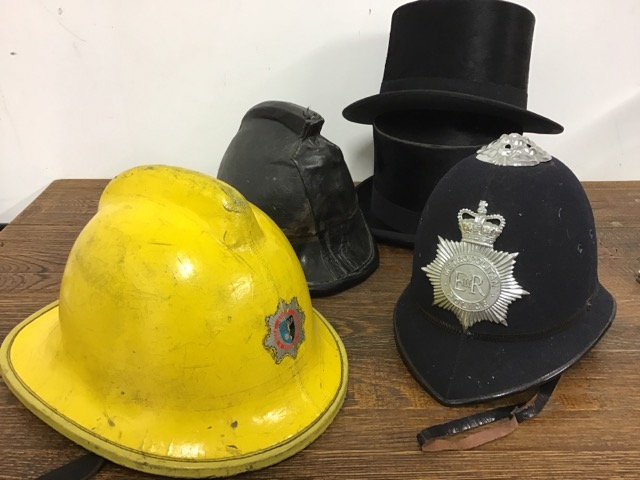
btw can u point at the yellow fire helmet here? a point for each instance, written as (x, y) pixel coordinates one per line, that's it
(184, 342)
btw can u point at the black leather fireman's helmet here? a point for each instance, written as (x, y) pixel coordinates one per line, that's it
(282, 164)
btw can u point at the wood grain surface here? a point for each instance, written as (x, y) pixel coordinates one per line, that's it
(590, 429)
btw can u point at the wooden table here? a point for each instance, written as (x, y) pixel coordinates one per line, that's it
(589, 430)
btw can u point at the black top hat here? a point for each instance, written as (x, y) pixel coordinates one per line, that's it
(279, 161)
(458, 55)
(504, 293)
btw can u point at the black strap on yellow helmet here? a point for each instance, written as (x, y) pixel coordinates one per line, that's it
(81, 468)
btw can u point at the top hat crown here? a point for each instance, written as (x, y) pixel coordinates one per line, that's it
(458, 55)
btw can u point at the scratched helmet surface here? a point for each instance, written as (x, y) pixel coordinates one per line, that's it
(504, 293)
(184, 342)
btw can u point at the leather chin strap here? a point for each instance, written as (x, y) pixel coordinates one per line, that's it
(81, 468)
(502, 421)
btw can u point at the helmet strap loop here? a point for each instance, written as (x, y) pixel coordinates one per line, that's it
(501, 422)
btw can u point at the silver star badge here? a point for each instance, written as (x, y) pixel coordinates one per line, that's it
(469, 277)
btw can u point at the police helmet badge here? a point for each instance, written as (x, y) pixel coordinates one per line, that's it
(470, 278)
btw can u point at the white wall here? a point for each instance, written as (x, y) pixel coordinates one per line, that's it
(91, 88)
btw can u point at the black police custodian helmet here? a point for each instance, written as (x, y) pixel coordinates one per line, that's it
(279, 161)
(504, 293)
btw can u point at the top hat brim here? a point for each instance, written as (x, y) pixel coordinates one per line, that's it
(457, 368)
(366, 110)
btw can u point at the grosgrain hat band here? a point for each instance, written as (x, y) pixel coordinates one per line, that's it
(394, 216)
(488, 90)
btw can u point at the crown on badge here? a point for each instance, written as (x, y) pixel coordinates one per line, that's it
(478, 227)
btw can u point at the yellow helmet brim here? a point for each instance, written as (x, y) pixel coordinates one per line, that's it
(188, 443)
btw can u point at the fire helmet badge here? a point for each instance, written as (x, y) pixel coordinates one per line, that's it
(469, 277)
(285, 330)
